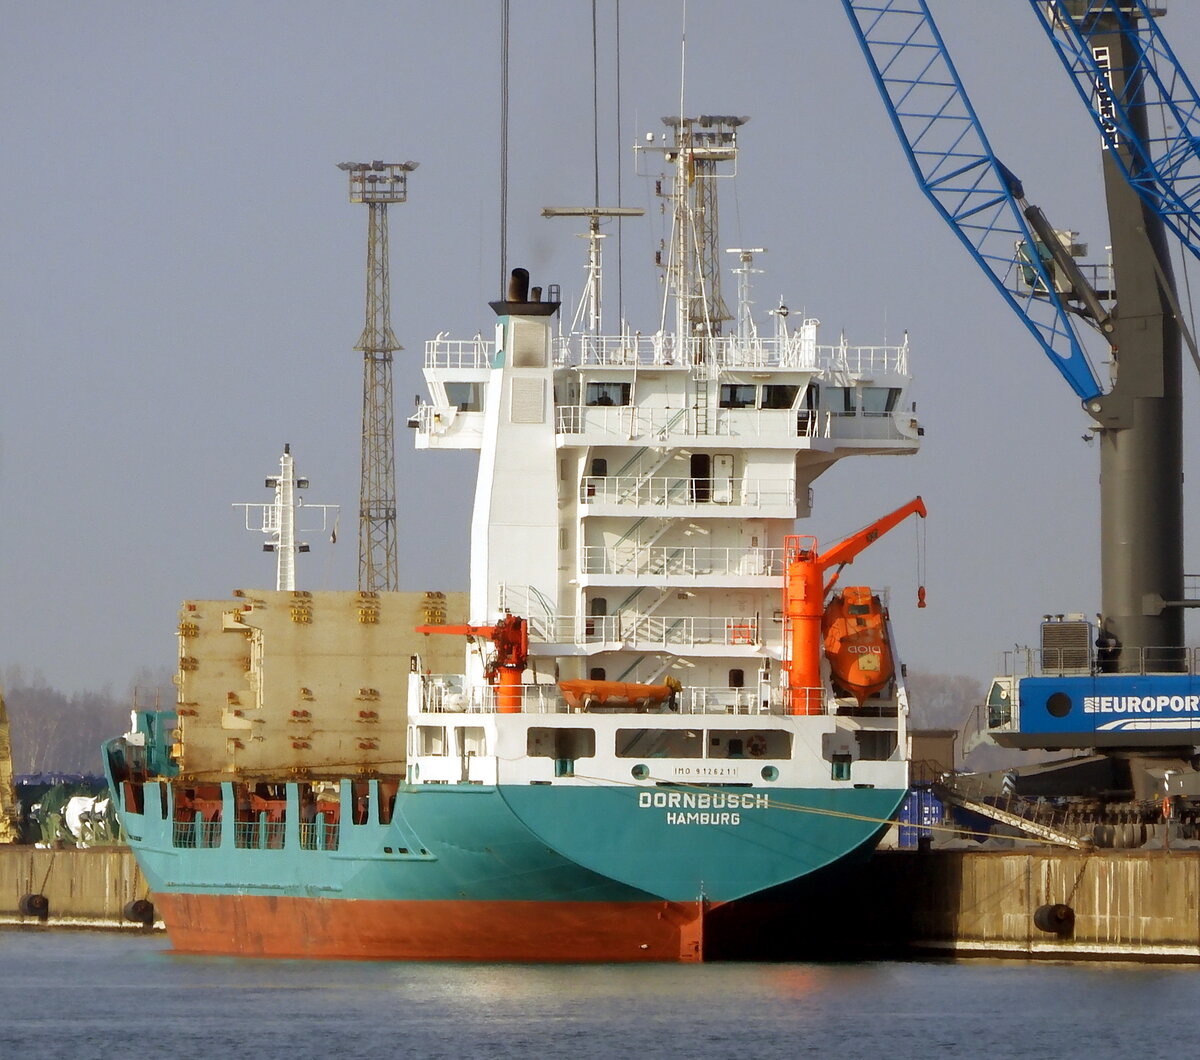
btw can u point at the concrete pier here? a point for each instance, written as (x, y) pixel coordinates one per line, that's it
(84, 888)
(1126, 904)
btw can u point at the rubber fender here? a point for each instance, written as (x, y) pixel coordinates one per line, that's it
(140, 911)
(1055, 920)
(34, 905)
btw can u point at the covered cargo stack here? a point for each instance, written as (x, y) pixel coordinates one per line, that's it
(308, 684)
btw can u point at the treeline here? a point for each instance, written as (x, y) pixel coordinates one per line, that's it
(56, 732)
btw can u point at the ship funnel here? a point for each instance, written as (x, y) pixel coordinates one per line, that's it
(522, 301)
(518, 285)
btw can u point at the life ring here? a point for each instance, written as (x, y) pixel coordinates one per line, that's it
(757, 746)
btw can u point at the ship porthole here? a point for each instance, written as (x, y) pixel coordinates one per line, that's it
(1059, 705)
(640, 772)
(770, 773)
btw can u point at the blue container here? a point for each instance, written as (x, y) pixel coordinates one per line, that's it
(920, 812)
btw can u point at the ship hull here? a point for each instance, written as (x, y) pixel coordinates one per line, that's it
(447, 930)
(494, 874)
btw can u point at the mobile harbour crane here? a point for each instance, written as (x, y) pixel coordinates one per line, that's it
(1134, 692)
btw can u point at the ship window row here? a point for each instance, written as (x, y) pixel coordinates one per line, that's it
(464, 741)
(767, 396)
(867, 400)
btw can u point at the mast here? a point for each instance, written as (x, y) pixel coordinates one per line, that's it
(702, 150)
(590, 302)
(278, 519)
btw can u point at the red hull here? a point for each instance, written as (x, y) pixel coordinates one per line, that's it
(276, 926)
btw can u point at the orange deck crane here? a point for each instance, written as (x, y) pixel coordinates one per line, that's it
(510, 635)
(804, 592)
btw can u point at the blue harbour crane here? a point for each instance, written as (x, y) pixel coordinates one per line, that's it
(1133, 687)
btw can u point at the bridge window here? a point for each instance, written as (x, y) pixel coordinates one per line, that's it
(840, 400)
(464, 396)
(879, 400)
(607, 394)
(737, 395)
(778, 395)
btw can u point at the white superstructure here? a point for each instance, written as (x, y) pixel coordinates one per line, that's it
(635, 488)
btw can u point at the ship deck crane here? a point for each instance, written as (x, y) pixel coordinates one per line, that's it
(510, 637)
(804, 593)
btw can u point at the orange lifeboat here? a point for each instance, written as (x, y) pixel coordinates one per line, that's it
(854, 628)
(616, 695)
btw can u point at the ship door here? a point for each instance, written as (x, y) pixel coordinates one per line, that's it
(700, 472)
(722, 478)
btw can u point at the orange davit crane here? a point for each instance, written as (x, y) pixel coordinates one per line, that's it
(804, 592)
(510, 635)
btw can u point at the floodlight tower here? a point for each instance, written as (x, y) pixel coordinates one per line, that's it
(377, 184)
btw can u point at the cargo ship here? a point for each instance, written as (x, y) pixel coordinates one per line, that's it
(644, 728)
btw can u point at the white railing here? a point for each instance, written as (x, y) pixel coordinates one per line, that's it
(447, 694)
(628, 489)
(1153, 659)
(459, 353)
(627, 423)
(797, 351)
(640, 631)
(727, 701)
(689, 630)
(675, 560)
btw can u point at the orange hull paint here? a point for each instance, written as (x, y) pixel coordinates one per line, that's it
(279, 926)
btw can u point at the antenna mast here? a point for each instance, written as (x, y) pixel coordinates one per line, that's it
(279, 519)
(701, 150)
(377, 184)
(590, 302)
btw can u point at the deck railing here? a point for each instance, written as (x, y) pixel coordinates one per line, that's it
(447, 694)
(669, 492)
(672, 560)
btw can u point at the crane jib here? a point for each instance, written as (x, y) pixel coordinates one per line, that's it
(978, 197)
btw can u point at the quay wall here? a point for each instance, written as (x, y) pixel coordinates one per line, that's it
(1126, 904)
(84, 888)
(1136, 905)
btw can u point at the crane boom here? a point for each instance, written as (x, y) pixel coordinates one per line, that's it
(1163, 162)
(804, 592)
(510, 635)
(960, 174)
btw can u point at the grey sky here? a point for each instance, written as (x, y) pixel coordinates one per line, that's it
(182, 286)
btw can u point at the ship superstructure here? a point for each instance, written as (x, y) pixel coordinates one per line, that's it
(635, 488)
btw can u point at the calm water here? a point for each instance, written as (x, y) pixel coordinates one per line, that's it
(80, 996)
